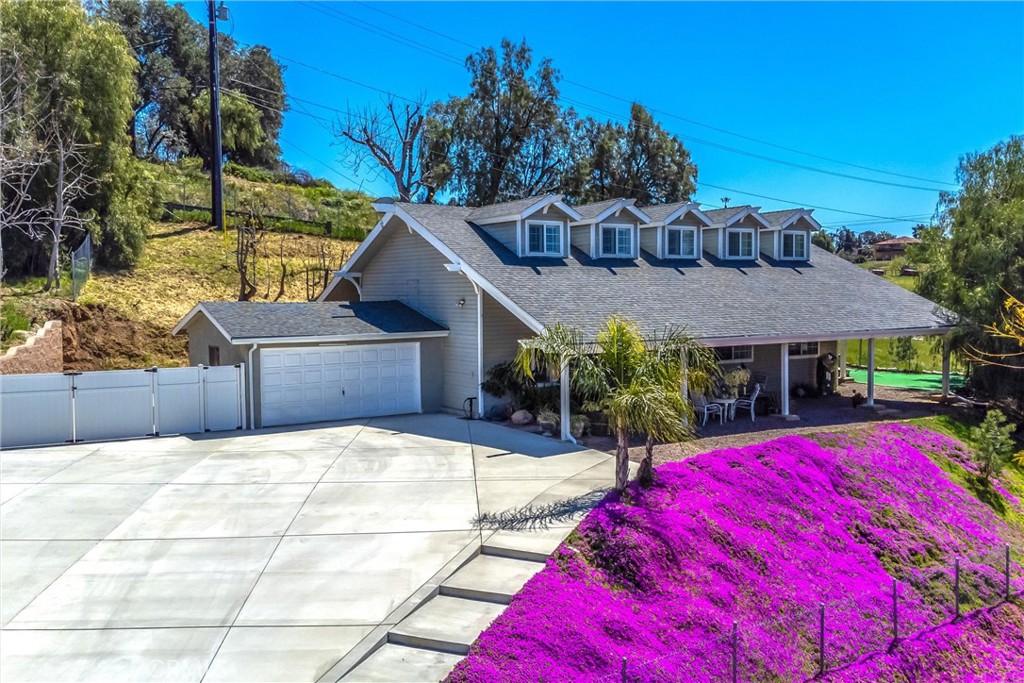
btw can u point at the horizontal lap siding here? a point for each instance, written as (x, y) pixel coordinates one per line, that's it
(504, 233)
(502, 332)
(409, 269)
(202, 334)
(649, 240)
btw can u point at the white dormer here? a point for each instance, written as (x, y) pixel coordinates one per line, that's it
(734, 234)
(609, 229)
(674, 231)
(537, 226)
(789, 237)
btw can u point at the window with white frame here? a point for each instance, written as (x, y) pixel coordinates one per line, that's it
(739, 243)
(803, 350)
(544, 239)
(735, 354)
(617, 240)
(794, 244)
(681, 242)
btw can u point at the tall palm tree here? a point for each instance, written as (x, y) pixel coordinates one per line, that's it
(635, 381)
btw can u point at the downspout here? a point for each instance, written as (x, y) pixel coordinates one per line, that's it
(479, 349)
(252, 391)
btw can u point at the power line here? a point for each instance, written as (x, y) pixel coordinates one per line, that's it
(667, 113)
(509, 158)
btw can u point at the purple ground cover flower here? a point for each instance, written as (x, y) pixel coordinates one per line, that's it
(761, 535)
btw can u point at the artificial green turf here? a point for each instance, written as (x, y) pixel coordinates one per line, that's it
(907, 380)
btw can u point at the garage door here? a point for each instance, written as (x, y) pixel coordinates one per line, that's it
(318, 383)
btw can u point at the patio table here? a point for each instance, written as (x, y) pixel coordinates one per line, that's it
(728, 406)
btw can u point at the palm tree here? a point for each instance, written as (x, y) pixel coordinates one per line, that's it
(635, 381)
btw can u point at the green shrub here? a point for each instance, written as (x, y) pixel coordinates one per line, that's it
(120, 234)
(12, 320)
(993, 443)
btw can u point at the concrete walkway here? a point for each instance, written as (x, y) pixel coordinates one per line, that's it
(267, 556)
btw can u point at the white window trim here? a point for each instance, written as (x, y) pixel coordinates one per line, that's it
(681, 228)
(753, 243)
(544, 241)
(746, 359)
(805, 355)
(617, 227)
(782, 245)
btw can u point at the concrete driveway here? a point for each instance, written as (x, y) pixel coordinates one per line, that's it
(264, 556)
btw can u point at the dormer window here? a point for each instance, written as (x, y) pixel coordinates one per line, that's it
(739, 243)
(681, 242)
(794, 244)
(544, 238)
(617, 241)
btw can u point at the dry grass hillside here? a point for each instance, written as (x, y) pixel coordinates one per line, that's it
(124, 319)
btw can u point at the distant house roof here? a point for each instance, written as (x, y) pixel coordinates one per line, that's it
(717, 301)
(246, 321)
(898, 241)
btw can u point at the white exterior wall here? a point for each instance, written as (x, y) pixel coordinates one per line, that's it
(504, 233)
(710, 238)
(408, 269)
(649, 240)
(502, 332)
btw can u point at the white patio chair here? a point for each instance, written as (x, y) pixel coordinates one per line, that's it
(703, 407)
(748, 402)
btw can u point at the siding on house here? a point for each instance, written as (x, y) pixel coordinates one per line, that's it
(409, 269)
(649, 240)
(502, 332)
(504, 233)
(770, 243)
(581, 239)
(202, 334)
(768, 361)
(710, 241)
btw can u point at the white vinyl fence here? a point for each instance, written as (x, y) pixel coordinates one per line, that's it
(38, 410)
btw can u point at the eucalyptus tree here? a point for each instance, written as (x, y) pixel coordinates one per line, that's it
(636, 381)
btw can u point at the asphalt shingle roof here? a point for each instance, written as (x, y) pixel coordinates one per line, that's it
(258, 319)
(505, 209)
(590, 211)
(712, 299)
(659, 212)
(722, 215)
(775, 218)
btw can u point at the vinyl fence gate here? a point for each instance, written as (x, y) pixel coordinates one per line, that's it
(45, 409)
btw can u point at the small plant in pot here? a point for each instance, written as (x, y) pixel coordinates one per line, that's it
(734, 379)
(577, 425)
(547, 420)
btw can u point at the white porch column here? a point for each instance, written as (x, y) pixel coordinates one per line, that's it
(945, 368)
(871, 372)
(479, 351)
(841, 349)
(784, 372)
(564, 403)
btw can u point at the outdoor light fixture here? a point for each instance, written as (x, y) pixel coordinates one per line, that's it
(461, 302)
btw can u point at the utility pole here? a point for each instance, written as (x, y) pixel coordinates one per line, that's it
(216, 153)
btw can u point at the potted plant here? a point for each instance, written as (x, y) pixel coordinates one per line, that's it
(734, 379)
(577, 425)
(547, 419)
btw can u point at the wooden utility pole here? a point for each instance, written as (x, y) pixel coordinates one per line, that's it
(216, 153)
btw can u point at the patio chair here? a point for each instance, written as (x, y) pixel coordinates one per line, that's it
(749, 402)
(703, 407)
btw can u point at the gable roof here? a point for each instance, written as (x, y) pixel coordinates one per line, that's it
(247, 321)
(666, 213)
(786, 217)
(716, 301)
(598, 211)
(520, 208)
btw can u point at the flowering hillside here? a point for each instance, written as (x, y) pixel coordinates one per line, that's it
(762, 535)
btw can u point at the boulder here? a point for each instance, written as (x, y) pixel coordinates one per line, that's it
(522, 417)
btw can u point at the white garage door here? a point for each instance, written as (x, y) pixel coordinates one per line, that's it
(318, 383)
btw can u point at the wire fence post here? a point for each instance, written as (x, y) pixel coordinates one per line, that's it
(623, 669)
(821, 639)
(1006, 571)
(956, 586)
(895, 614)
(735, 648)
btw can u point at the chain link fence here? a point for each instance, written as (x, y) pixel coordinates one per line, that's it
(81, 267)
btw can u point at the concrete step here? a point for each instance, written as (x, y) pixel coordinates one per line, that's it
(534, 545)
(445, 623)
(392, 663)
(490, 578)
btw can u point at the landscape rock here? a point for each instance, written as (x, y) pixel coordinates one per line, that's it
(522, 417)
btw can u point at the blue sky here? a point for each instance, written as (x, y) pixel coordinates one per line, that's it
(900, 87)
